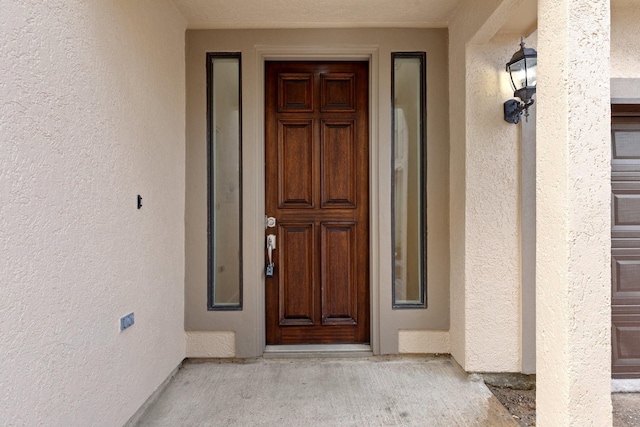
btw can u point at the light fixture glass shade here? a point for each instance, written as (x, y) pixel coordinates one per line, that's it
(522, 72)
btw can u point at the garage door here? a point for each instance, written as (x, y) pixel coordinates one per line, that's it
(625, 240)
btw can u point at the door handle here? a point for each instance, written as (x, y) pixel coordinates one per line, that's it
(271, 245)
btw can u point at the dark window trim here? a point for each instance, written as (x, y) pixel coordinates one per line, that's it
(210, 282)
(423, 179)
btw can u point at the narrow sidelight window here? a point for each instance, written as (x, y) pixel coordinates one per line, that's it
(409, 180)
(224, 117)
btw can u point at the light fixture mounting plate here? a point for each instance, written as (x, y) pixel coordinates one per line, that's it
(512, 111)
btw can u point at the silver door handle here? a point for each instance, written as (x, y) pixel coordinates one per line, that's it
(271, 245)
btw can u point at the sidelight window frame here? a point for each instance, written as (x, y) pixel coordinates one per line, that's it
(421, 302)
(212, 305)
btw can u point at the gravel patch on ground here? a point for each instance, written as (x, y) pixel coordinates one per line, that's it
(521, 404)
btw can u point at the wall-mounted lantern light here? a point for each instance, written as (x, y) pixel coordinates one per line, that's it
(522, 71)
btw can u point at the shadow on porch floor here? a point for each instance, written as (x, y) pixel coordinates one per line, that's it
(374, 391)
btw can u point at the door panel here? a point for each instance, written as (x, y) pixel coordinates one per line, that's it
(625, 241)
(626, 145)
(339, 286)
(625, 341)
(317, 188)
(295, 93)
(338, 153)
(295, 166)
(296, 284)
(625, 283)
(338, 92)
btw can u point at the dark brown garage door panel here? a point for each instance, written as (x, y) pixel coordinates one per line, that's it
(625, 242)
(625, 209)
(626, 344)
(625, 283)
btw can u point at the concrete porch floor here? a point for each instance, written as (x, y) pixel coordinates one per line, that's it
(373, 391)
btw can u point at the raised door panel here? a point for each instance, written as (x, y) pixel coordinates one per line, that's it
(625, 152)
(295, 92)
(339, 274)
(338, 92)
(338, 166)
(626, 144)
(296, 275)
(295, 163)
(625, 340)
(625, 281)
(625, 209)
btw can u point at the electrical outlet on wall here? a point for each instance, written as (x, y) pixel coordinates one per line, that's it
(126, 321)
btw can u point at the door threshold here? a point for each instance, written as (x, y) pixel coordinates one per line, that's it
(318, 350)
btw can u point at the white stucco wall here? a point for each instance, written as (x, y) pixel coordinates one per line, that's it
(92, 113)
(573, 206)
(493, 213)
(625, 43)
(484, 192)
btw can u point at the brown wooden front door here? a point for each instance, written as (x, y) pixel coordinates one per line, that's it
(317, 188)
(625, 241)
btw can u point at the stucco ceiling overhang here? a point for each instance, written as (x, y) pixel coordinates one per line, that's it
(248, 14)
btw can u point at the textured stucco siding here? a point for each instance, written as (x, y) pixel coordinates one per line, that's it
(484, 193)
(625, 43)
(493, 213)
(92, 113)
(573, 198)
